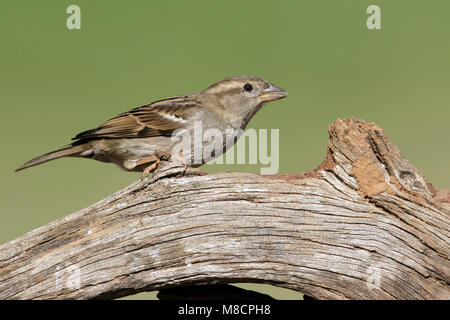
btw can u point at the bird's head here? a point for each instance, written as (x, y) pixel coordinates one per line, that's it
(243, 95)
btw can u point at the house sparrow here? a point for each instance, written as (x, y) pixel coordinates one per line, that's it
(138, 139)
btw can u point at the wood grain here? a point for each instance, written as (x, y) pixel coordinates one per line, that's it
(365, 224)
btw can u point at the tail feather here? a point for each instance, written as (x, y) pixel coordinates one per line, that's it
(66, 151)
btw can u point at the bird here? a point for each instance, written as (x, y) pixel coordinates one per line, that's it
(137, 140)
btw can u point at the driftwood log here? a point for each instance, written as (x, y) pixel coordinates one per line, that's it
(365, 224)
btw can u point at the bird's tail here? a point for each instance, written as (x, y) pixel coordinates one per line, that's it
(66, 151)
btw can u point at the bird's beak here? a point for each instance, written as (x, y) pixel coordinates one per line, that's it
(273, 93)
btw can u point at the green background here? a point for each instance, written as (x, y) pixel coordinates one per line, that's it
(57, 82)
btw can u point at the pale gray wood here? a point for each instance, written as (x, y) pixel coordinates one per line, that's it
(364, 225)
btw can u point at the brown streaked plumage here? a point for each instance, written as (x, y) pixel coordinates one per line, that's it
(135, 139)
(155, 119)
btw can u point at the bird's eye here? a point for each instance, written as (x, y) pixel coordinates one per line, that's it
(248, 87)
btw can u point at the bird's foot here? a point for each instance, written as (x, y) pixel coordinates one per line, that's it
(178, 158)
(159, 156)
(154, 163)
(150, 168)
(163, 156)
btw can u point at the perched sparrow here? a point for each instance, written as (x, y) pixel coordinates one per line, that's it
(138, 139)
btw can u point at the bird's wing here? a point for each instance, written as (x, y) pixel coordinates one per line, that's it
(159, 118)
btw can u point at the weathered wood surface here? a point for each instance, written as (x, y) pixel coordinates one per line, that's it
(364, 225)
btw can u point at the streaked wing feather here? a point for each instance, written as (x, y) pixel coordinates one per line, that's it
(158, 118)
